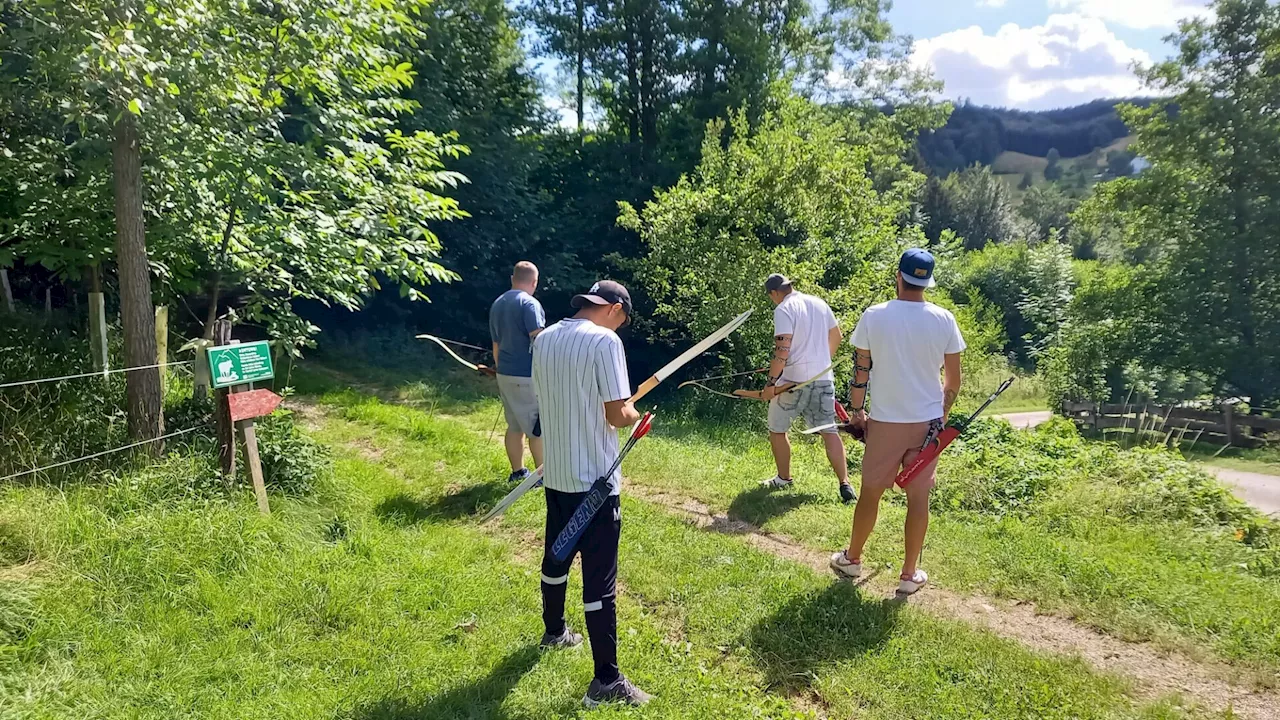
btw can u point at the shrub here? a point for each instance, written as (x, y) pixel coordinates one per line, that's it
(291, 461)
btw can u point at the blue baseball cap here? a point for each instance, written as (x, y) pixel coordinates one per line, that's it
(916, 267)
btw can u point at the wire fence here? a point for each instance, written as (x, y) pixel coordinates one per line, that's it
(99, 373)
(122, 448)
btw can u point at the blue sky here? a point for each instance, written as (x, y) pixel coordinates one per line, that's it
(1039, 54)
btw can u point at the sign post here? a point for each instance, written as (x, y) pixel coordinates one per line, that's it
(236, 366)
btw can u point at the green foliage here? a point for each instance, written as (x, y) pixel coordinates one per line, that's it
(977, 205)
(291, 461)
(1047, 208)
(274, 160)
(1120, 163)
(1201, 219)
(813, 193)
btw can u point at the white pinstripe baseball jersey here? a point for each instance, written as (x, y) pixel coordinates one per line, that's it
(578, 366)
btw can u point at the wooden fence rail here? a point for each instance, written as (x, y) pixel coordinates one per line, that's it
(1223, 426)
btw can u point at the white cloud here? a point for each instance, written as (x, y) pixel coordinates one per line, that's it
(992, 3)
(1137, 14)
(1068, 60)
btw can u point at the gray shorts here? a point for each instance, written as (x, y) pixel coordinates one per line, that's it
(815, 402)
(519, 403)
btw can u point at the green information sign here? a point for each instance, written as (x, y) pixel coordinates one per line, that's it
(240, 364)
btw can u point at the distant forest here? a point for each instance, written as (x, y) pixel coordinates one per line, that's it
(977, 134)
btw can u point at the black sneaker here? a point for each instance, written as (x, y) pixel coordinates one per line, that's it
(620, 690)
(518, 476)
(847, 495)
(566, 639)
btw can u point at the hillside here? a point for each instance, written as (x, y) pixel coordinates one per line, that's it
(987, 136)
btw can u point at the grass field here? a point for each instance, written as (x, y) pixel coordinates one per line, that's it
(1165, 579)
(378, 596)
(1011, 166)
(1259, 460)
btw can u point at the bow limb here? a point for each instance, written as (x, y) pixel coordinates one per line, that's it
(789, 387)
(702, 346)
(452, 354)
(696, 384)
(699, 381)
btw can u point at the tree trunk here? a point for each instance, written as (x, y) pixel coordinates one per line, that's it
(648, 111)
(581, 43)
(633, 82)
(137, 314)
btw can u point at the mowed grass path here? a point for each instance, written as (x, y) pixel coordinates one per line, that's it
(379, 598)
(1176, 583)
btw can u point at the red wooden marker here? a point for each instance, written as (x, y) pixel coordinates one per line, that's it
(252, 404)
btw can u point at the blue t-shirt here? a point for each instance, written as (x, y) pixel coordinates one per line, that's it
(513, 316)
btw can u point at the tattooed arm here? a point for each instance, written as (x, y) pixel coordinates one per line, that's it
(950, 382)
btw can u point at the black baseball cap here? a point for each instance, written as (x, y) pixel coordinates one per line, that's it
(776, 281)
(605, 292)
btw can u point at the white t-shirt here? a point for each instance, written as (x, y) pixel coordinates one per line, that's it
(907, 341)
(808, 320)
(578, 366)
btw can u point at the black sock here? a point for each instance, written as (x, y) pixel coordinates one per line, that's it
(602, 629)
(553, 607)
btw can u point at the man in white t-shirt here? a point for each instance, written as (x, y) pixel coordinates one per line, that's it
(806, 336)
(899, 346)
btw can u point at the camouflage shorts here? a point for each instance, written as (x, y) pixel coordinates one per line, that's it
(815, 402)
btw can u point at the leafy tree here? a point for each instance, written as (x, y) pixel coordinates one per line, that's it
(813, 194)
(1205, 213)
(1027, 181)
(1047, 295)
(274, 163)
(981, 208)
(1047, 208)
(1053, 170)
(1120, 163)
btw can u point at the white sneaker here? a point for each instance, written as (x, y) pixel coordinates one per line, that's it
(917, 581)
(844, 568)
(776, 482)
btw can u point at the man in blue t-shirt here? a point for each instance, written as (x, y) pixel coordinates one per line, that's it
(514, 320)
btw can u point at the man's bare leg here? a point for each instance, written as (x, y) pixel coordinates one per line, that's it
(917, 523)
(514, 440)
(835, 455)
(781, 445)
(864, 521)
(535, 449)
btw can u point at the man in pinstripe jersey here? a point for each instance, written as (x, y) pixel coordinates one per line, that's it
(580, 378)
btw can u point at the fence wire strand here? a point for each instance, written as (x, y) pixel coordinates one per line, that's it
(98, 373)
(104, 452)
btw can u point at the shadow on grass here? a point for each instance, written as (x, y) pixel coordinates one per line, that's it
(817, 629)
(760, 504)
(404, 509)
(479, 699)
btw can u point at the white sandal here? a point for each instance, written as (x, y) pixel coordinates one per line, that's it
(917, 581)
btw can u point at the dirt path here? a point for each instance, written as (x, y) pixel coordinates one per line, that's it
(1025, 420)
(1259, 490)
(1156, 674)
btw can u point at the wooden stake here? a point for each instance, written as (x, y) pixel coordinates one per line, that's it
(48, 303)
(98, 332)
(255, 465)
(8, 289)
(162, 343)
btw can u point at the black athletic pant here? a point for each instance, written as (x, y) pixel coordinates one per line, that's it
(599, 549)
